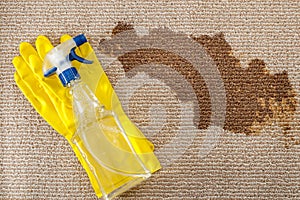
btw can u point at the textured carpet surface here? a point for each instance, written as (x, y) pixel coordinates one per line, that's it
(253, 152)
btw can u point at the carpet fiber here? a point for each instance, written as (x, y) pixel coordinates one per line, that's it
(249, 151)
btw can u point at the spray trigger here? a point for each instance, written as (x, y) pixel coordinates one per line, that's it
(50, 71)
(74, 56)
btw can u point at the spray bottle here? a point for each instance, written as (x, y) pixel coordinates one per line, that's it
(90, 115)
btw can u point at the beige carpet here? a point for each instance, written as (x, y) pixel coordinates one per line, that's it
(256, 50)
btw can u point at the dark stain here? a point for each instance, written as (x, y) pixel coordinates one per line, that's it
(122, 26)
(146, 56)
(255, 98)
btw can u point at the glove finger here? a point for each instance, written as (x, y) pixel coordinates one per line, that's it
(26, 74)
(22, 67)
(43, 46)
(26, 50)
(26, 91)
(64, 38)
(36, 64)
(33, 85)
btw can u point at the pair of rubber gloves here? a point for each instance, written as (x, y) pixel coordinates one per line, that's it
(54, 103)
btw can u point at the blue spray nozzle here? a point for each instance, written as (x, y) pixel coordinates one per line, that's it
(59, 60)
(50, 72)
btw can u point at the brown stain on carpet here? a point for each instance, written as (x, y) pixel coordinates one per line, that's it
(255, 98)
(147, 56)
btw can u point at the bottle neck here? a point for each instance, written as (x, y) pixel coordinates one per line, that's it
(72, 83)
(68, 75)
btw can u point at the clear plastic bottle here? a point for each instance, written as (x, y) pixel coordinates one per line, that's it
(101, 139)
(99, 135)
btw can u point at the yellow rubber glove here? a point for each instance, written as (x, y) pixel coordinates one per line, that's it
(53, 103)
